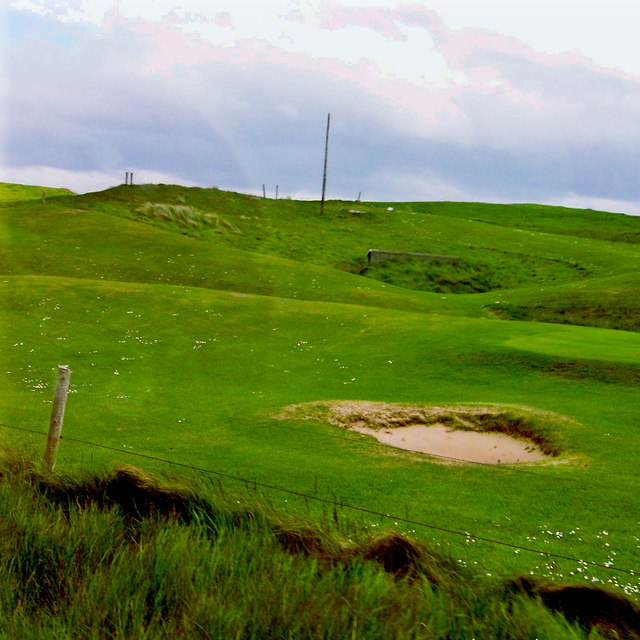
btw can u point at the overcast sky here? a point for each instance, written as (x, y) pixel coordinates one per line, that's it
(487, 100)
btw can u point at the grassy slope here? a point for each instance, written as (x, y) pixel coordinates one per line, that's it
(98, 557)
(583, 223)
(494, 256)
(185, 347)
(18, 192)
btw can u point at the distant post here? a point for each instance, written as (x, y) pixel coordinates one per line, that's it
(57, 415)
(264, 192)
(126, 177)
(324, 174)
(276, 192)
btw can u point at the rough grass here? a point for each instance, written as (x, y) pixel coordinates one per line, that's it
(183, 216)
(128, 555)
(609, 303)
(483, 271)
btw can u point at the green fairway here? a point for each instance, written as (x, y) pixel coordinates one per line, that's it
(187, 339)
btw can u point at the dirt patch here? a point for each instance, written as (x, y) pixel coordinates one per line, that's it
(496, 434)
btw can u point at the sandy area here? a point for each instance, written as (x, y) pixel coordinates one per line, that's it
(467, 433)
(470, 446)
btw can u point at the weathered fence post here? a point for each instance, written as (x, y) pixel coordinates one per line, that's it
(57, 415)
(264, 192)
(277, 186)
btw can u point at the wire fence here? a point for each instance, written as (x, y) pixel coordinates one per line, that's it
(332, 502)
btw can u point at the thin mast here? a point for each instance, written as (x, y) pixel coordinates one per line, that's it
(326, 155)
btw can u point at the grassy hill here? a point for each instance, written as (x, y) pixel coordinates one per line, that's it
(21, 192)
(192, 317)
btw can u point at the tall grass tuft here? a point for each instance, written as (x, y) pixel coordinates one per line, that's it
(128, 555)
(184, 216)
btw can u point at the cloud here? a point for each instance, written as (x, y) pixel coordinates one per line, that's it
(603, 32)
(423, 106)
(84, 104)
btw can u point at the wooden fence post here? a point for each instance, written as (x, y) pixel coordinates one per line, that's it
(57, 415)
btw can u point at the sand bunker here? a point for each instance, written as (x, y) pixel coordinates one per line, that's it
(469, 446)
(495, 434)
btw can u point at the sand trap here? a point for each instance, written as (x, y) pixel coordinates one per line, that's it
(470, 446)
(493, 434)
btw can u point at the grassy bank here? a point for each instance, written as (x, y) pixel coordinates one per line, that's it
(126, 555)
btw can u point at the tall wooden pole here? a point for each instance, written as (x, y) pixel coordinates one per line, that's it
(57, 415)
(324, 175)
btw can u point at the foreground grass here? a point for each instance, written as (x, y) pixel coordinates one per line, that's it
(125, 555)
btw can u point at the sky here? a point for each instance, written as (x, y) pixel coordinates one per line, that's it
(466, 100)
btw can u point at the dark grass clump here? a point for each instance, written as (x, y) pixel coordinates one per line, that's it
(591, 607)
(135, 493)
(519, 427)
(404, 557)
(623, 315)
(478, 271)
(139, 496)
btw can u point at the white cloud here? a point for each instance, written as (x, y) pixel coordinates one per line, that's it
(460, 100)
(604, 31)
